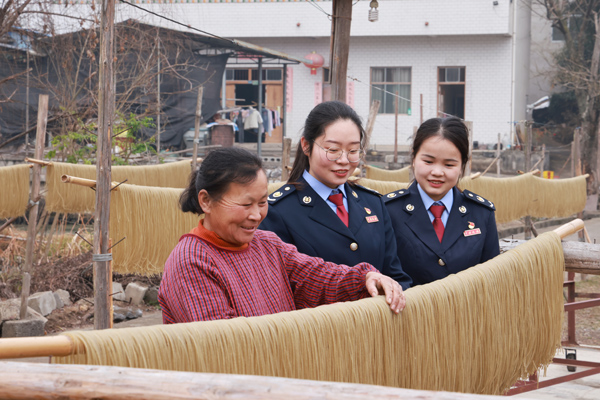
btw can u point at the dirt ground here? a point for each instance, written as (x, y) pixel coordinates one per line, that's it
(587, 321)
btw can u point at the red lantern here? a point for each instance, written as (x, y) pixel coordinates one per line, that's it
(317, 62)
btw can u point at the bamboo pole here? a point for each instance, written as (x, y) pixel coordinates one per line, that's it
(42, 346)
(570, 228)
(197, 120)
(35, 197)
(38, 161)
(85, 182)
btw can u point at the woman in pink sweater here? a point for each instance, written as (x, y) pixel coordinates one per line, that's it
(227, 268)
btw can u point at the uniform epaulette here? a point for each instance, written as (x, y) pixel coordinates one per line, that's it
(395, 195)
(478, 199)
(366, 189)
(280, 193)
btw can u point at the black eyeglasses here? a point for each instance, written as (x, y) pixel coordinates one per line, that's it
(334, 153)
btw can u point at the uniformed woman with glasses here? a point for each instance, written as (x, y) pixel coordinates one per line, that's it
(320, 211)
(440, 229)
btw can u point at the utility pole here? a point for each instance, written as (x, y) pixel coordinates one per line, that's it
(340, 47)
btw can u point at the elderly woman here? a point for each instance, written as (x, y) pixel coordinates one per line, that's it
(227, 268)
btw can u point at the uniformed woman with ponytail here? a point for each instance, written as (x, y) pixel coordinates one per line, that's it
(323, 214)
(441, 230)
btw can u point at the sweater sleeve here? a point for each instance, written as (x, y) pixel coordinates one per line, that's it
(192, 290)
(316, 282)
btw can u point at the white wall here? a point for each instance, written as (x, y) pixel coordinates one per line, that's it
(396, 17)
(486, 58)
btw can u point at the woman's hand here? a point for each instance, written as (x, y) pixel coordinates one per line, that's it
(377, 284)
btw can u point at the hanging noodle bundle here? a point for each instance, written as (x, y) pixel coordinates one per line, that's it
(151, 221)
(14, 185)
(478, 331)
(378, 174)
(528, 194)
(67, 198)
(516, 197)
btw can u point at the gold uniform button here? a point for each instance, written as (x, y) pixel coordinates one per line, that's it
(353, 246)
(441, 262)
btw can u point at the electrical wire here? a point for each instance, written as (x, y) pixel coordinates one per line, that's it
(175, 22)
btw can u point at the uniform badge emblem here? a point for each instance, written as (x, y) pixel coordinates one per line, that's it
(287, 188)
(491, 204)
(306, 199)
(471, 225)
(410, 207)
(277, 194)
(391, 195)
(470, 194)
(401, 192)
(472, 232)
(367, 210)
(372, 218)
(354, 194)
(462, 209)
(481, 199)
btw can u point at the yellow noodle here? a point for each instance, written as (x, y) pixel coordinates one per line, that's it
(151, 221)
(528, 194)
(516, 197)
(378, 174)
(478, 331)
(70, 198)
(14, 185)
(274, 186)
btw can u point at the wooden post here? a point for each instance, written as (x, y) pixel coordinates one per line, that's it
(340, 47)
(469, 125)
(528, 138)
(285, 158)
(411, 172)
(421, 108)
(158, 105)
(371, 123)
(498, 152)
(197, 128)
(543, 159)
(396, 129)
(35, 197)
(106, 103)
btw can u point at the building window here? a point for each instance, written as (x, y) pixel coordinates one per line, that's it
(451, 92)
(385, 83)
(573, 24)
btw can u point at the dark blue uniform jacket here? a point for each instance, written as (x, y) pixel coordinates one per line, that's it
(302, 218)
(470, 236)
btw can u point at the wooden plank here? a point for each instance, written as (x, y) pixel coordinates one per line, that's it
(106, 102)
(35, 198)
(341, 21)
(371, 123)
(580, 257)
(53, 381)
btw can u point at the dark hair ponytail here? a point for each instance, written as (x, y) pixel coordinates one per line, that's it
(218, 170)
(318, 120)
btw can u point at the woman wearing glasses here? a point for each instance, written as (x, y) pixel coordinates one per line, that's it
(323, 214)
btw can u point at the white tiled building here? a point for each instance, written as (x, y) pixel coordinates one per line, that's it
(457, 54)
